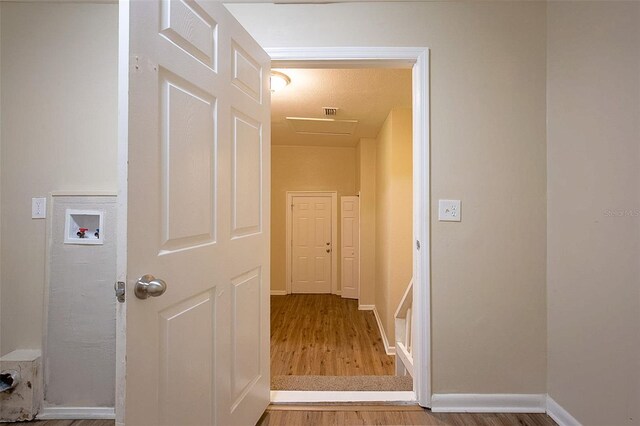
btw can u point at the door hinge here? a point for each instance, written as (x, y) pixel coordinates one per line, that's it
(120, 291)
(417, 245)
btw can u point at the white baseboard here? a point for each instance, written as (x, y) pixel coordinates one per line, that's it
(278, 292)
(76, 413)
(289, 397)
(559, 414)
(390, 350)
(489, 403)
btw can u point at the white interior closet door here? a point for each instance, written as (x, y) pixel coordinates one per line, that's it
(350, 250)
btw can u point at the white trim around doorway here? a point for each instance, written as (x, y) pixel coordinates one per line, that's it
(302, 397)
(417, 59)
(334, 235)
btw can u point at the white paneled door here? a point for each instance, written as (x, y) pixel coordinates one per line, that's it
(350, 250)
(197, 217)
(311, 244)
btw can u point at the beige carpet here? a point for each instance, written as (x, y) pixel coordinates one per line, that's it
(342, 383)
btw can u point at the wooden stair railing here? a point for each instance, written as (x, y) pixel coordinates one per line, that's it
(403, 325)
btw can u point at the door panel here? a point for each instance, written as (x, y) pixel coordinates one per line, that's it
(187, 327)
(192, 29)
(198, 188)
(246, 151)
(350, 250)
(245, 360)
(311, 244)
(187, 124)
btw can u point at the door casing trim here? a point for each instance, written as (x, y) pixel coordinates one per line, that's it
(334, 235)
(301, 397)
(417, 59)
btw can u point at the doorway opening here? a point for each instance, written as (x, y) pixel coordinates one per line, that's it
(326, 287)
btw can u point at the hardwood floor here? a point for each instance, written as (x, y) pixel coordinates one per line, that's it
(69, 423)
(325, 335)
(389, 415)
(360, 415)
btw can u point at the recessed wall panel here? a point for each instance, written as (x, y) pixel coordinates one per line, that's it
(188, 146)
(320, 226)
(348, 232)
(246, 73)
(245, 334)
(303, 270)
(348, 270)
(319, 268)
(188, 26)
(186, 392)
(246, 175)
(302, 235)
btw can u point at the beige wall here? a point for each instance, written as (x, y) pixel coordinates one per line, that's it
(366, 167)
(1, 343)
(59, 132)
(488, 74)
(594, 210)
(394, 215)
(299, 168)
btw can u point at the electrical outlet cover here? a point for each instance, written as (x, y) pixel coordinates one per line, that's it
(38, 208)
(449, 210)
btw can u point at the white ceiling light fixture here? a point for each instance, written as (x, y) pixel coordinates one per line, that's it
(279, 81)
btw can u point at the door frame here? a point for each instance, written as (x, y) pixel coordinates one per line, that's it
(334, 235)
(123, 194)
(417, 59)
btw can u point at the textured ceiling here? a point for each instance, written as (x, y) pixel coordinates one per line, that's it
(366, 95)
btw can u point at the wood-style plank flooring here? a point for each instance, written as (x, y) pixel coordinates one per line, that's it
(389, 415)
(68, 423)
(325, 335)
(362, 415)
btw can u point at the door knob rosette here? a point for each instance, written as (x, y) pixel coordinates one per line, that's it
(149, 286)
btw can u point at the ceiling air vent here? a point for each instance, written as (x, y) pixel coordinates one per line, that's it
(330, 111)
(322, 126)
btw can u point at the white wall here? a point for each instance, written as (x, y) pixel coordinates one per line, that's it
(488, 75)
(1, 350)
(59, 94)
(59, 132)
(594, 210)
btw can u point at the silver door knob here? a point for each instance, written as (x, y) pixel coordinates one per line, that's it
(149, 286)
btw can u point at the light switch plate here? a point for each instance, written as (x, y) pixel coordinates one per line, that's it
(449, 210)
(38, 208)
